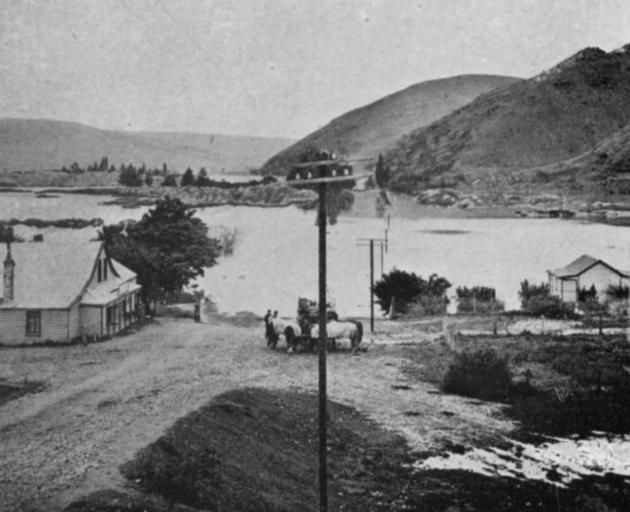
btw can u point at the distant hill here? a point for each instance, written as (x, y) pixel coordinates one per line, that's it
(40, 144)
(528, 130)
(368, 130)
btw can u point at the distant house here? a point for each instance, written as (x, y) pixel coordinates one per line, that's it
(60, 292)
(584, 272)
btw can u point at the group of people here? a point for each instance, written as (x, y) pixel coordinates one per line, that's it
(270, 333)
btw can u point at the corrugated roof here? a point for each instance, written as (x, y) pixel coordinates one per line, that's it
(49, 275)
(583, 263)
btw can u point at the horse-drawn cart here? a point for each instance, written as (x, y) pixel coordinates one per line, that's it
(304, 333)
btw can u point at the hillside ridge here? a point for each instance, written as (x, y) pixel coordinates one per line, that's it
(42, 144)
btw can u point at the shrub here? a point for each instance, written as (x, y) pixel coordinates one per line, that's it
(405, 288)
(529, 291)
(617, 292)
(586, 294)
(480, 374)
(478, 299)
(548, 306)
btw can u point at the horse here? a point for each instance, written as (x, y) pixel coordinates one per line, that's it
(350, 329)
(287, 328)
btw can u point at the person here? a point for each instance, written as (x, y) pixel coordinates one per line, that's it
(268, 327)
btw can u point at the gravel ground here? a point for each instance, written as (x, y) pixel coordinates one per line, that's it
(103, 402)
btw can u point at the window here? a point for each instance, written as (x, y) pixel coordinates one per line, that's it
(104, 270)
(34, 323)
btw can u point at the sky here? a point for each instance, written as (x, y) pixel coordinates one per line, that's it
(270, 67)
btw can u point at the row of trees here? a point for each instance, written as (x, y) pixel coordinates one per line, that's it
(104, 166)
(202, 180)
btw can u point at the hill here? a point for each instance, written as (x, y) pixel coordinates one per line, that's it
(368, 130)
(524, 133)
(40, 144)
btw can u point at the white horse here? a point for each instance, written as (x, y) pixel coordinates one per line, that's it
(287, 328)
(351, 329)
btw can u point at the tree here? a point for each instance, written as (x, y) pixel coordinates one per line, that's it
(188, 178)
(381, 174)
(129, 177)
(148, 179)
(169, 181)
(202, 178)
(407, 287)
(104, 165)
(167, 248)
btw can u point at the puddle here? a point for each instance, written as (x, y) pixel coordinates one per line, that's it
(557, 462)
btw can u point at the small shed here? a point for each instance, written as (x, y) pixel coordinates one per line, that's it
(585, 272)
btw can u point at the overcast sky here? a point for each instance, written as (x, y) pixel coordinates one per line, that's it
(277, 67)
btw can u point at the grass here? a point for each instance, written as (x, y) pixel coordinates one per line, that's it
(561, 385)
(11, 391)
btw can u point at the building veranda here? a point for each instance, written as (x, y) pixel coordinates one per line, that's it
(58, 293)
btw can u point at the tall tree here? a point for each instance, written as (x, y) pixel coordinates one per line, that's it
(167, 248)
(202, 178)
(129, 177)
(188, 178)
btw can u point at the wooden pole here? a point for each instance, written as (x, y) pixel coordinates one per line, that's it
(323, 493)
(371, 285)
(382, 260)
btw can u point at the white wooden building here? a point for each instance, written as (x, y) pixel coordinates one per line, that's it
(585, 272)
(59, 292)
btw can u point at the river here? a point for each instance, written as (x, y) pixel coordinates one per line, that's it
(275, 260)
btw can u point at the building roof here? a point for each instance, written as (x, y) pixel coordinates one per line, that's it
(52, 275)
(581, 265)
(108, 291)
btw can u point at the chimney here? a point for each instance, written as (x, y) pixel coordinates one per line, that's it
(9, 275)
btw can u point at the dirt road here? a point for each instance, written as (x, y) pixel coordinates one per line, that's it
(103, 402)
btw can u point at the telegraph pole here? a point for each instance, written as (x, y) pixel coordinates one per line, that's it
(370, 242)
(308, 174)
(323, 491)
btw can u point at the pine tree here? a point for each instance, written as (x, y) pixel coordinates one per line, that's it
(188, 178)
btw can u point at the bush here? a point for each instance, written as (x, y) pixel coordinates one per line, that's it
(617, 292)
(481, 374)
(548, 306)
(536, 301)
(529, 291)
(478, 300)
(405, 288)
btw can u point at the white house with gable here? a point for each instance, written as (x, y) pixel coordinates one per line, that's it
(585, 272)
(54, 292)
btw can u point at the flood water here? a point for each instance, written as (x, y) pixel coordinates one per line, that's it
(275, 260)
